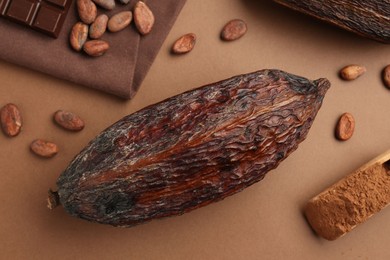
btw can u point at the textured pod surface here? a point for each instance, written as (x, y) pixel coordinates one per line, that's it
(192, 149)
(369, 18)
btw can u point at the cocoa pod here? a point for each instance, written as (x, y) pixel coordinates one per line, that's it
(368, 18)
(87, 11)
(234, 30)
(96, 48)
(11, 120)
(143, 18)
(192, 149)
(184, 44)
(44, 148)
(119, 21)
(99, 26)
(345, 127)
(78, 36)
(68, 120)
(106, 4)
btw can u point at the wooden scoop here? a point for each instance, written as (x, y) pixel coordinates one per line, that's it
(352, 200)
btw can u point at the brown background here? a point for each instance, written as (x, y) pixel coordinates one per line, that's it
(263, 222)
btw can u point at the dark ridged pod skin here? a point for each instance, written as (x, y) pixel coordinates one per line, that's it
(368, 18)
(192, 149)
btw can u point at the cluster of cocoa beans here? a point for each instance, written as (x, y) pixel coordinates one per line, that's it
(233, 30)
(93, 26)
(346, 124)
(12, 122)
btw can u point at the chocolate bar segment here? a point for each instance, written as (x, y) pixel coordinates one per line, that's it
(46, 16)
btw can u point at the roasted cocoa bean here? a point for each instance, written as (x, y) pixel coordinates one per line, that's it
(184, 44)
(99, 26)
(143, 18)
(68, 120)
(87, 11)
(44, 148)
(119, 21)
(386, 76)
(96, 48)
(192, 149)
(234, 30)
(106, 4)
(11, 120)
(78, 36)
(345, 127)
(352, 72)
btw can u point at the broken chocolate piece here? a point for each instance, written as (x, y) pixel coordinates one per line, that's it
(46, 16)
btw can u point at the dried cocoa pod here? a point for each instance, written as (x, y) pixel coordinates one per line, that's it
(368, 18)
(192, 149)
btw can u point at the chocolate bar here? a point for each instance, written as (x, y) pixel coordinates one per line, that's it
(46, 16)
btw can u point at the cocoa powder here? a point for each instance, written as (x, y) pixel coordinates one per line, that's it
(350, 202)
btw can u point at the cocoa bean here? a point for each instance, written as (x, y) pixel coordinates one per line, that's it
(124, 2)
(106, 4)
(87, 11)
(68, 120)
(78, 36)
(44, 148)
(345, 127)
(11, 120)
(96, 48)
(98, 27)
(192, 149)
(352, 72)
(234, 30)
(386, 76)
(184, 44)
(119, 21)
(143, 18)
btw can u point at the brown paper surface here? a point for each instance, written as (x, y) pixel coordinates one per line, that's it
(264, 221)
